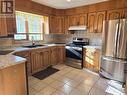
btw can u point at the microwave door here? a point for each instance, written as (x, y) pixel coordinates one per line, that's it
(110, 38)
(121, 51)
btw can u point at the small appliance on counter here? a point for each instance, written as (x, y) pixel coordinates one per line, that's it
(74, 52)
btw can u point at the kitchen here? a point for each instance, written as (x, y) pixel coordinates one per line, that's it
(45, 44)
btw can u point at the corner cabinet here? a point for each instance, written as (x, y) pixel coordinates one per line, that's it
(56, 24)
(95, 21)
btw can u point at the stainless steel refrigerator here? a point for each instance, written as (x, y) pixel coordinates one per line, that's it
(114, 50)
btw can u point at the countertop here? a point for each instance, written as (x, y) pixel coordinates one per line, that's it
(10, 59)
(91, 46)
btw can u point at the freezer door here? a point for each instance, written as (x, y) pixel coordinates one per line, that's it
(113, 68)
(121, 48)
(109, 42)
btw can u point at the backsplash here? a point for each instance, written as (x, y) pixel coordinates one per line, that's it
(95, 38)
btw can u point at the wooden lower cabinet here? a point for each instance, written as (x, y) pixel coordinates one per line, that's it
(57, 55)
(61, 54)
(40, 59)
(54, 55)
(91, 59)
(26, 54)
(13, 80)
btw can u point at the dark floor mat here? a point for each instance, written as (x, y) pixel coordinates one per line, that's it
(45, 73)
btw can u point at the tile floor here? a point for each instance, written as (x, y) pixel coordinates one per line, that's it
(68, 81)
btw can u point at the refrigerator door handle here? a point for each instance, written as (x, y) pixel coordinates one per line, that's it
(116, 39)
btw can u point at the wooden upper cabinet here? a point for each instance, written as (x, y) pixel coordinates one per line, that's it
(56, 24)
(82, 19)
(60, 24)
(3, 27)
(95, 21)
(52, 24)
(114, 14)
(125, 13)
(91, 22)
(73, 20)
(66, 24)
(101, 16)
(11, 25)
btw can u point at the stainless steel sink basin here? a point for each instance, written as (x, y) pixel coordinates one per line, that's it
(33, 46)
(5, 52)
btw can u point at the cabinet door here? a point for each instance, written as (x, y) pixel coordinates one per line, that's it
(97, 60)
(61, 54)
(66, 24)
(91, 22)
(60, 25)
(82, 19)
(11, 25)
(14, 80)
(54, 55)
(46, 57)
(73, 20)
(100, 17)
(36, 61)
(3, 27)
(125, 13)
(52, 24)
(114, 14)
(26, 54)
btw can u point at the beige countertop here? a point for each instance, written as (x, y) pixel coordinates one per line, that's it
(10, 60)
(95, 47)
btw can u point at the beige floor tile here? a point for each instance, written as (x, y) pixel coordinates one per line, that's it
(48, 90)
(58, 93)
(57, 84)
(77, 92)
(97, 91)
(38, 93)
(32, 91)
(89, 81)
(55, 76)
(33, 81)
(84, 88)
(48, 80)
(40, 85)
(73, 83)
(66, 89)
(63, 79)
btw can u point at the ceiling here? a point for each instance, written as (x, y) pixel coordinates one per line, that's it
(63, 4)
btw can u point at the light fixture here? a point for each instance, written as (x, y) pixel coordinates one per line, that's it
(68, 0)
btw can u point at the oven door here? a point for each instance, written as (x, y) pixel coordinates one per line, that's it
(74, 52)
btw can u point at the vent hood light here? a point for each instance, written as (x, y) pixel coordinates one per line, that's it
(77, 28)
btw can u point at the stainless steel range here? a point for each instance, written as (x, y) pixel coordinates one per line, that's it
(74, 52)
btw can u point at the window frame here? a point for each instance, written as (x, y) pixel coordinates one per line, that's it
(27, 29)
